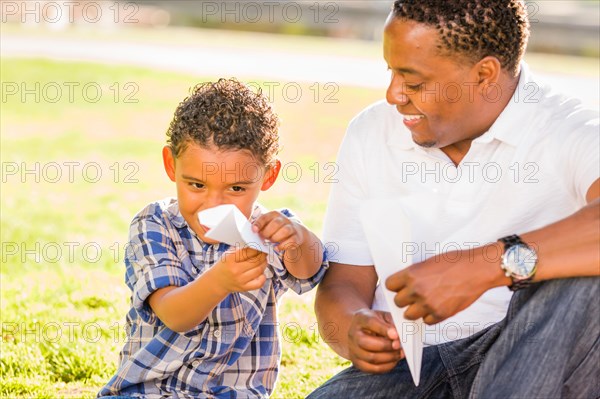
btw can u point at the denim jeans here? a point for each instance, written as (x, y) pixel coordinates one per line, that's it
(546, 347)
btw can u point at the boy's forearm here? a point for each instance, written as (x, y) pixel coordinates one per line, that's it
(183, 308)
(304, 261)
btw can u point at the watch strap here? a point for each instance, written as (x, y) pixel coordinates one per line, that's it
(520, 284)
(510, 241)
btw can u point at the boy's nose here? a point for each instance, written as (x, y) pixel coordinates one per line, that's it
(214, 199)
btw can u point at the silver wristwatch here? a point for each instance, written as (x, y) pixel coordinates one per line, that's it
(519, 262)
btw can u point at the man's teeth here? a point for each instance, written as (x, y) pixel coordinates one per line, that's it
(413, 117)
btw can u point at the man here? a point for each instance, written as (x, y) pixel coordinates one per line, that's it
(486, 162)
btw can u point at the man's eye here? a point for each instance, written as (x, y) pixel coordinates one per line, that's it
(238, 189)
(413, 87)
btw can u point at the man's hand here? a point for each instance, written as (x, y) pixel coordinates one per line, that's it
(241, 270)
(373, 341)
(445, 284)
(277, 228)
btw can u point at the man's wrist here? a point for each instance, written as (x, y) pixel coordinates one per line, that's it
(491, 260)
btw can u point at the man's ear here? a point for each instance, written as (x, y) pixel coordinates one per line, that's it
(488, 71)
(169, 162)
(271, 175)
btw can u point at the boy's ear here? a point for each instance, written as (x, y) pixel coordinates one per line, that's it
(271, 175)
(169, 162)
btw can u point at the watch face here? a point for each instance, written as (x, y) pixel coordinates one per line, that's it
(520, 261)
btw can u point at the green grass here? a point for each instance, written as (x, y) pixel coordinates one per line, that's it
(63, 299)
(62, 294)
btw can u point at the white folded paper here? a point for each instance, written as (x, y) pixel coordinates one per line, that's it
(387, 227)
(228, 225)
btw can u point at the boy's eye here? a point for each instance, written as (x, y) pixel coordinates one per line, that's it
(197, 185)
(238, 189)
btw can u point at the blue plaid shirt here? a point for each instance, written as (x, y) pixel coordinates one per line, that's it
(234, 353)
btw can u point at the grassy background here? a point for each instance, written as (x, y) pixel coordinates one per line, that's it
(62, 293)
(63, 298)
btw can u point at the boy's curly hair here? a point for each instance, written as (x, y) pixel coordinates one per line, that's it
(228, 115)
(474, 28)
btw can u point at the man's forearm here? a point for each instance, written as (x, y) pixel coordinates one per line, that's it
(570, 247)
(343, 291)
(334, 314)
(567, 248)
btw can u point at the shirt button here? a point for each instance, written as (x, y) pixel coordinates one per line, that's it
(194, 270)
(217, 333)
(195, 363)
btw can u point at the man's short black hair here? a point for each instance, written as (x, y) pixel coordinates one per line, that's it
(228, 115)
(474, 28)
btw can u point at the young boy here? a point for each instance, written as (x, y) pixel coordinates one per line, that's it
(203, 319)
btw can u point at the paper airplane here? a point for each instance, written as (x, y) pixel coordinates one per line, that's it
(387, 227)
(228, 225)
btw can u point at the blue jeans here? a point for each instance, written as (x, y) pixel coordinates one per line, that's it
(546, 347)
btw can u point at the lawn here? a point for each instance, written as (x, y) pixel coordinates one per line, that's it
(76, 166)
(80, 155)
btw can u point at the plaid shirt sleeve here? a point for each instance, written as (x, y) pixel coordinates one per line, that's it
(152, 262)
(300, 286)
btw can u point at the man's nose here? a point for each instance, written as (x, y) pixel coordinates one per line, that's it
(396, 92)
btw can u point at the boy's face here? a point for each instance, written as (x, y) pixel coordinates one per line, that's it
(207, 177)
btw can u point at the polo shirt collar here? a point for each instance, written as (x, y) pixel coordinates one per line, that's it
(509, 126)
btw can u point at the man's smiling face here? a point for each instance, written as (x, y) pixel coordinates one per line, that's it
(438, 96)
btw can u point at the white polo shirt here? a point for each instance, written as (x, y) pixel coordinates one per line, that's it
(533, 167)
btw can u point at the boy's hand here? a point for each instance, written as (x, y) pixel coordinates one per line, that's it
(241, 270)
(277, 228)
